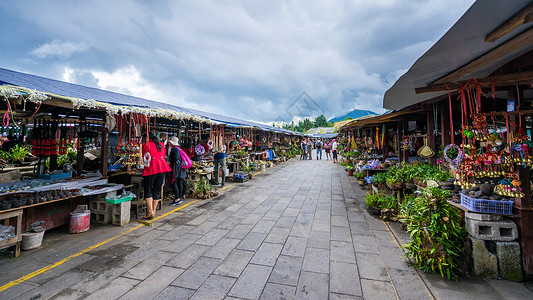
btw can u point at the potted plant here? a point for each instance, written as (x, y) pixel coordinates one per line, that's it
(360, 176)
(350, 170)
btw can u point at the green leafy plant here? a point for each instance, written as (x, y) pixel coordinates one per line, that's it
(381, 201)
(359, 175)
(17, 154)
(204, 189)
(437, 237)
(379, 179)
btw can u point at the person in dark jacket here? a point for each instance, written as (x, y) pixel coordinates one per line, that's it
(177, 173)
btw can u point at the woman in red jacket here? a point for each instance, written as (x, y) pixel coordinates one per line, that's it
(153, 173)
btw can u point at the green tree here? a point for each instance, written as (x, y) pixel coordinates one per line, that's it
(321, 121)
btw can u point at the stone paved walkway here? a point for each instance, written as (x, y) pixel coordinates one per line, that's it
(297, 231)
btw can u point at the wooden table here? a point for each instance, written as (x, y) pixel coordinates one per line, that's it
(17, 239)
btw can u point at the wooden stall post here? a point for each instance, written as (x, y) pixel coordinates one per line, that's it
(445, 125)
(104, 154)
(53, 158)
(524, 207)
(81, 150)
(431, 134)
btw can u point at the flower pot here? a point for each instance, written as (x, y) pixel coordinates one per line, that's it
(350, 172)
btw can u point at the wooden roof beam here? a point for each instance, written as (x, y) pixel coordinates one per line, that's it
(522, 17)
(502, 80)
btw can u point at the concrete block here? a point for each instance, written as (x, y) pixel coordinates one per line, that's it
(485, 263)
(508, 254)
(120, 213)
(503, 230)
(482, 217)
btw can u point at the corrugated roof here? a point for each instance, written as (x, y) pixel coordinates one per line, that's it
(71, 90)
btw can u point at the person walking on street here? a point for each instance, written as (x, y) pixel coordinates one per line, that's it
(334, 150)
(153, 173)
(304, 150)
(220, 161)
(177, 173)
(318, 149)
(327, 147)
(309, 148)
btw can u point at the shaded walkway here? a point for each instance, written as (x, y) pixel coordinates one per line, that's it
(296, 231)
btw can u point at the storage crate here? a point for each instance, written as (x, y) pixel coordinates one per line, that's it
(502, 207)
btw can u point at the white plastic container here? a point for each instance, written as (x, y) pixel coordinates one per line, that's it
(32, 240)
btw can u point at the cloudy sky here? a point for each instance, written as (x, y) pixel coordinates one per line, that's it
(246, 59)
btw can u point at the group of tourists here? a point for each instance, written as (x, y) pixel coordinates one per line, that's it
(162, 158)
(330, 147)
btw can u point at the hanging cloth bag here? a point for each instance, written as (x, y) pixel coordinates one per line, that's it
(425, 151)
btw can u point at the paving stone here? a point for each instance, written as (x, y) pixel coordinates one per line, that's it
(147, 250)
(335, 296)
(263, 226)
(174, 292)
(287, 270)
(142, 270)
(215, 287)
(204, 228)
(277, 236)
(252, 241)
(154, 284)
(295, 246)
(212, 237)
(319, 239)
(114, 289)
(240, 231)
(195, 276)
(408, 284)
(180, 244)
(365, 244)
(145, 238)
(291, 212)
(339, 221)
(359, 228)
(222, 248)
(69, 265)
(15, 291)
(340, 233)
(186, 258)
(384, 238)
(267, 254)
(371, 266)
(316, 260)
(300, 230)
(342, 252)
(394, 257)
(373, 289)
(344, 279)
(251, 282)
(229, 223)
(56, 285)
(278, 291)
(252, 219)
(68, 294)
(176, 233)
(319, 225)
(234, 263)
(99, 279)
(312, 286)
(285, 222)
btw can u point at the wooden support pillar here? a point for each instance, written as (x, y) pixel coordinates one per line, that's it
(404, 153)
(104, 154)
(445, 125)
(81, 147)
(523, 205)
(431, 134)
(53, 158)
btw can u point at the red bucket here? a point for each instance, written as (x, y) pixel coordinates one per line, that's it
(79, 222)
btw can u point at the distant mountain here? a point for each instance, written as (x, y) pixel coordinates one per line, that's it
(354, 114)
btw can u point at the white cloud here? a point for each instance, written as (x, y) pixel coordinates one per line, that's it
(244, 59)
(59, 49)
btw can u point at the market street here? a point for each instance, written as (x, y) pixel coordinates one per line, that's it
(296, 231)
